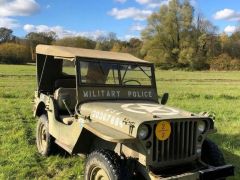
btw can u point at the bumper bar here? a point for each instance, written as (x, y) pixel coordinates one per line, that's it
(216, 172)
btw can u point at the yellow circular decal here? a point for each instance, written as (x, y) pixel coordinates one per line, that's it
(163, 130)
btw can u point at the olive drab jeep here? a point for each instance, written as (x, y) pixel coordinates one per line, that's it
(105, 105)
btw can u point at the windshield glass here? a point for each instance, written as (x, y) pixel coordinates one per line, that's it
(105, 73)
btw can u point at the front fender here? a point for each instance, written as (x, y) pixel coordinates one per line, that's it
(107, 133)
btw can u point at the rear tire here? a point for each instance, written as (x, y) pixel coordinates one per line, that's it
(45, 142)
(211, 154)
(102, 164)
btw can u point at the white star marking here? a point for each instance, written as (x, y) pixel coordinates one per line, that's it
(154, 109)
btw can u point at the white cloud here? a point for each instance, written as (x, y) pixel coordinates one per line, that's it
(155, 5)
(230, 29)
(121, 1)
(224, 14)
(131, 12)
(129, 36)
(93, 34)
(8, 22)
(143, 1)
(18, 7)
(194, 3)
(61, 32)
(15, 8)
(152, 4)
(29, 28)
(227, 14)
(48, 6)
(137, 27)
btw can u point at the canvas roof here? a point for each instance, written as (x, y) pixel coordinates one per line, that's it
(70, 53)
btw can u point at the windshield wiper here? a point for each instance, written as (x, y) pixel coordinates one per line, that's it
(150, 77)
(125, 73)
(101, 68)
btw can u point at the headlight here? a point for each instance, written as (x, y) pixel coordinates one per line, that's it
(143, 132)
(201, 126)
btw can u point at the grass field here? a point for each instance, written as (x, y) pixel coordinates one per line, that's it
(194, 91)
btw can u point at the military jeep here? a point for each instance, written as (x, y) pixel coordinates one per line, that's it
(105, 105)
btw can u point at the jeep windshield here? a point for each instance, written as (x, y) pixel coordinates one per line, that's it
(118, 74)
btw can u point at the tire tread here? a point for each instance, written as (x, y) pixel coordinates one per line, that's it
(112, 160)
(211, 154)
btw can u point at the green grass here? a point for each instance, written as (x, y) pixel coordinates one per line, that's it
(194, 91)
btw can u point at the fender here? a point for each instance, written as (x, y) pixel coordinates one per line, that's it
(94, 133)
(108, 133)
(40, 105)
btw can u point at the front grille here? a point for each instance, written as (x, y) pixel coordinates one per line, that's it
(180, 145)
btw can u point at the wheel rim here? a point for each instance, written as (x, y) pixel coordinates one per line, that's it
(98, 173)
(42, 137)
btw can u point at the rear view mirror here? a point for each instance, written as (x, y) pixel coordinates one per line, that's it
(164, 99)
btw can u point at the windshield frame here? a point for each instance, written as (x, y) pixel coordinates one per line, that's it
(79, 78)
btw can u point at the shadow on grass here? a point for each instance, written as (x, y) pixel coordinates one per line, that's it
(58, 151)
(230, 143)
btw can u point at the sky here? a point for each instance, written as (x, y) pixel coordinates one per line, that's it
(93, 18)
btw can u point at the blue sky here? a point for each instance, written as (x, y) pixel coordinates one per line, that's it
(93, 18)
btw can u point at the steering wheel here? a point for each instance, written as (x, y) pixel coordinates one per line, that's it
(132, 80)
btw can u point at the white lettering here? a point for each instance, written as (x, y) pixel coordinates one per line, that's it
(113, 93)
(150, 94)
(103, 92)
(110, 115)
(116, 94)
(108, 94)
(85, 93)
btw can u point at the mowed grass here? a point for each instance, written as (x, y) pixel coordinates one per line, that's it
(218, 92)
(18, 154)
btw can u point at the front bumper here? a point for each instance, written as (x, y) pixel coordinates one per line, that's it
(216, 172)
(211, 173)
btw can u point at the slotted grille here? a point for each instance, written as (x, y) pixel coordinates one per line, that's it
(180, 145)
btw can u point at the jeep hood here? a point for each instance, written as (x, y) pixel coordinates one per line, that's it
(119, 114)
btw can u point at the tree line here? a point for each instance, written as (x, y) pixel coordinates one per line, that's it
(175, 38)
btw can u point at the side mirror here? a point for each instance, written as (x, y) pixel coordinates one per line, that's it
(164, 99)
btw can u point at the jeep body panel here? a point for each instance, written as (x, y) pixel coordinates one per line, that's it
(68, 135)
(127, 116)
(108, 133)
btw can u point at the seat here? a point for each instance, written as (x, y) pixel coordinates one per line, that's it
(65, 83)
(68, 95)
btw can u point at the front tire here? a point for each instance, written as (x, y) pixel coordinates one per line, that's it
(45, 142)
(102, 165)
(211, 154)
